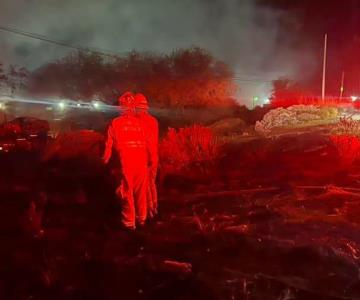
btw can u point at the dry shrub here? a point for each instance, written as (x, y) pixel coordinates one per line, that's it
(295, 116)
(347, 126)
(188, 146)
(348, 147)
(346, 138)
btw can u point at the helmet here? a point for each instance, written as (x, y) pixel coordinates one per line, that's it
(141, 101)
(127, 100)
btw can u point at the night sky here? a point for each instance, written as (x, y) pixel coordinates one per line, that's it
(261, 39)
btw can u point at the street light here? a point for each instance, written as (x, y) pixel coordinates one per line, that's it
(61, 105)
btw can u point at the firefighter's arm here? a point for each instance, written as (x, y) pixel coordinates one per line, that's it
(154, 152)
(108, 145)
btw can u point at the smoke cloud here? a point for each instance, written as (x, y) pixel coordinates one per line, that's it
(247, 36)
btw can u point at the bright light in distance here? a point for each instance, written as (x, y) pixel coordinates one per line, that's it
(266, 101)
(354, 98)
(61, 105)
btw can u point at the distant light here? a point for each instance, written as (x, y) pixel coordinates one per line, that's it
(256, 98)
(1, 148)
(78, 105)
(2, 106)
(354, 98)
(266, 101)
(96, 105)
(61, 105)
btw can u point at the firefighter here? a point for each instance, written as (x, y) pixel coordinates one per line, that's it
(126, 135)
(151, 128)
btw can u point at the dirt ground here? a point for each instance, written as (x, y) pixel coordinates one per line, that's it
(274, 218)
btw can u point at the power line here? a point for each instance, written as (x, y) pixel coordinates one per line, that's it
(58, 42)
(99, 51)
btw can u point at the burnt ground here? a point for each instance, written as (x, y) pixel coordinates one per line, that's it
(272, 219)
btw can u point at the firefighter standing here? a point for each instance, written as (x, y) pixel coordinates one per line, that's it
(151, 128)
(127, 136)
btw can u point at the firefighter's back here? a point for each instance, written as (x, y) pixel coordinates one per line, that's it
(129, 140)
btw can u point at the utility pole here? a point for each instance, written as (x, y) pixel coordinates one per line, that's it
(324, 69)
(342, 85)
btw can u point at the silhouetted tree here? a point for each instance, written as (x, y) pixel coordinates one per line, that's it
(287, 92)
(185, 78)
(13, 79)
(17, 78)
(2, 75)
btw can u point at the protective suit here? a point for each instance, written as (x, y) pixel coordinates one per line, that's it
(151, 128)
(126, 135)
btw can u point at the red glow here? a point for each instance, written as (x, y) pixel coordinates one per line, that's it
(308, 100)
(348, 147)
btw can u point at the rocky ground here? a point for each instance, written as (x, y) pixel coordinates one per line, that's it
(272, 219)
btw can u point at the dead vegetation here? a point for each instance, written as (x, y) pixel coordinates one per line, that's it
(280, 219)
